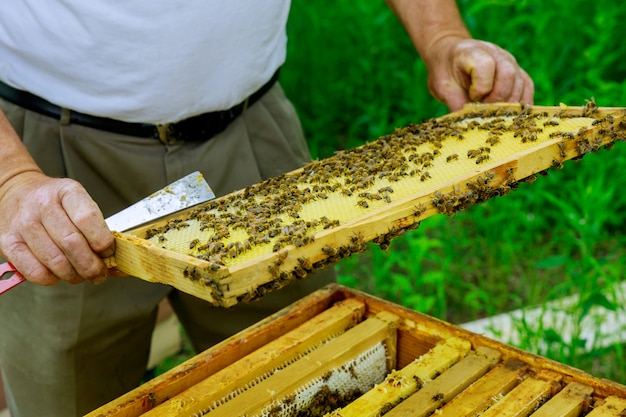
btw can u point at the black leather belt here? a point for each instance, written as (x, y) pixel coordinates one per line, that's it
(195, 128)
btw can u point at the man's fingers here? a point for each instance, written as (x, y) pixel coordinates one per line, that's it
(528, 93)
(491, 74)
(449, 92)
(84, 213)
(30, 267)
(50, 252)
(73, 260)
(479, 67)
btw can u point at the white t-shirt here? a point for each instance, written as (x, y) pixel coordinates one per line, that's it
(142, 61)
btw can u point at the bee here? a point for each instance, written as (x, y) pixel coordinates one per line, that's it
(557, 164)
(492, 139)
(385, 190)
(473, 124)
(419, 210)
(363, 203)
(191, 274)
(305, 263)
(437, 397)
(352, 371)
(331, 224)
(425, 176)
(452, 157)
(510, 174)
(590, 107)
(395, 381)
(299, 271)
(529, 137)
(609, 118)
(562, 149)
(181, 225)
(482, 159)
(329, 250)
(552, 122)
(222, 233)
(193, 243)
(473, 153)
(357, 244)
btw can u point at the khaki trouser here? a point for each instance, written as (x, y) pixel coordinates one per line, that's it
(65, 350)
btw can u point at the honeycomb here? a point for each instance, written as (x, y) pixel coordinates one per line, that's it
(291, 224)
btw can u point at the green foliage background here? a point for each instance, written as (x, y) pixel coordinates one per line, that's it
(353, 75)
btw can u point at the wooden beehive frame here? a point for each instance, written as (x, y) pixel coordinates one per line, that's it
(228, 285)
(379, 328)
(417, 335)
(262, 362)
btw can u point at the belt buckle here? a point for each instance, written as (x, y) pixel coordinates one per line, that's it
(165, 134)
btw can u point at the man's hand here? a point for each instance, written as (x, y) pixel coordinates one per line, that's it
(465, 70)
(460, 69)
(51, 230)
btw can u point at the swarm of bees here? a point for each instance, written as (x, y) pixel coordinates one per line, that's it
(284, 213)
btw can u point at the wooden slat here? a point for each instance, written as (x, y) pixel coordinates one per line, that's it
(334, 354)
(252, 278)
(433, 395)
(479, 396)
(139, 258)
(524, 398)
(570, 402)
(402, 383)
(609, 407)
(264, 361)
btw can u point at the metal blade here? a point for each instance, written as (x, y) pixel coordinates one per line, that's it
(181, 194)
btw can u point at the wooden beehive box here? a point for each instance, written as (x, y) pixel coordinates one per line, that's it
(427, 367)
(240, 246)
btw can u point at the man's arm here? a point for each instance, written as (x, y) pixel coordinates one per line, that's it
(50, 229)
(460, 69)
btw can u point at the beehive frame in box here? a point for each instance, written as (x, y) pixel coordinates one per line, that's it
(238, 247)
(299, 361)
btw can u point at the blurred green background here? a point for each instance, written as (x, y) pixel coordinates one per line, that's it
(353, 75)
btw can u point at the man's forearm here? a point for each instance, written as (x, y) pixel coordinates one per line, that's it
(428, 21)
(15, 157)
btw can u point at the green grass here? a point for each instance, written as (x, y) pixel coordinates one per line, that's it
(353, 76)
